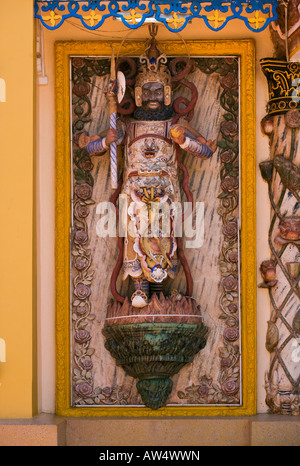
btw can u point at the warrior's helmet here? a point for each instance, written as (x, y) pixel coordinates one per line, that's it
(153, 68)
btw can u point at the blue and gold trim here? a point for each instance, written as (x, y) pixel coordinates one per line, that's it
(283, 83)
(175, 15)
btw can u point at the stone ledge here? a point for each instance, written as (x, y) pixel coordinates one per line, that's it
(275, 430)
(51, 430)
(43, 430)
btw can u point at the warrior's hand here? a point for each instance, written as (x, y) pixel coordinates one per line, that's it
(111, 136)
(84, 139)
(110, 92)
(177, 134)
(212, 145)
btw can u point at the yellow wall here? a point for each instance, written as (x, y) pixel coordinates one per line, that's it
(17, 284)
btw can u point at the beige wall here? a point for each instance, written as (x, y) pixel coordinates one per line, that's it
(113, 30)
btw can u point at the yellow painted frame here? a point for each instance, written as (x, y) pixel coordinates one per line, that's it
(246, 51)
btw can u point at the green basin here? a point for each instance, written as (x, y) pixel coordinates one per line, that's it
(154, 352)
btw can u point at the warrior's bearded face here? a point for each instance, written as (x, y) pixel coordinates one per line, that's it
(153, 103)
(152, 96)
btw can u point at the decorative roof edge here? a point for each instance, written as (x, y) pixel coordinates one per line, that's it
(175, 15)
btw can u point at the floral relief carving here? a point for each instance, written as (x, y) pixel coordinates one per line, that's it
(228, 69)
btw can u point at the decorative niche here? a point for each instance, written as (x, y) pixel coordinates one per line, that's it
(221, 378)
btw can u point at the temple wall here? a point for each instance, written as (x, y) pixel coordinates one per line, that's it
(113, 30)
(29, 265)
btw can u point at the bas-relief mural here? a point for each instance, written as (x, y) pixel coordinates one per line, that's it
(203, 292)
(114, 358)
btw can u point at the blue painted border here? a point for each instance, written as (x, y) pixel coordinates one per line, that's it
(159, 10)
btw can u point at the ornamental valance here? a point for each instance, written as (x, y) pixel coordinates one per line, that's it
(175, 15)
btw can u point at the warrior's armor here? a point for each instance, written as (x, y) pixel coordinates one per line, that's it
(150, 180)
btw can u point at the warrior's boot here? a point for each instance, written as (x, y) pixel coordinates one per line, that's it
(140, 297)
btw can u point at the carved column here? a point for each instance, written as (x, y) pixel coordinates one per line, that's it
(281, 271)
(285, 30)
